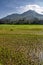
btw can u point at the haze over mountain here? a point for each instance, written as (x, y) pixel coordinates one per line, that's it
(28, 15)
(8, 7)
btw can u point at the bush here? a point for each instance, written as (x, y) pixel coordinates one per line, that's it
(11, 29)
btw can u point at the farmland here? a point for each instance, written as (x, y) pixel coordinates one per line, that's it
(21, 44)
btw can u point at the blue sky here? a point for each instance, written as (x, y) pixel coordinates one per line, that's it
(17, 6)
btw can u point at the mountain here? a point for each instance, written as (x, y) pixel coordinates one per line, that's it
(29, 16)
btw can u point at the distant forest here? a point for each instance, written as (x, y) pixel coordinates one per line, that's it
(21, 21)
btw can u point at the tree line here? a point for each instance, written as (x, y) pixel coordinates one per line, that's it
(21, 21)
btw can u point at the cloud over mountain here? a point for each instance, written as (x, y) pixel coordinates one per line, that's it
(34, 7)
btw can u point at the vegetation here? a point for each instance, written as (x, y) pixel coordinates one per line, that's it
(21, 21)
(21, 44)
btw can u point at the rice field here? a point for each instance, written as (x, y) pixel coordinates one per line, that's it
(21, 44)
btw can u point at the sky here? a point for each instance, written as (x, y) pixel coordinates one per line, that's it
(8, 7)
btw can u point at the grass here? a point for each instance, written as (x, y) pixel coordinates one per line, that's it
(21, 44)
(21, 29)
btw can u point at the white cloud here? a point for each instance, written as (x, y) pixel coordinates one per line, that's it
(35, 7)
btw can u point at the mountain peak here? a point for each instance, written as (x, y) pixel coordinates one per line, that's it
(30, 11)
(30, 14)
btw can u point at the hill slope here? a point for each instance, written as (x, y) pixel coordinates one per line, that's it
(29, 16)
